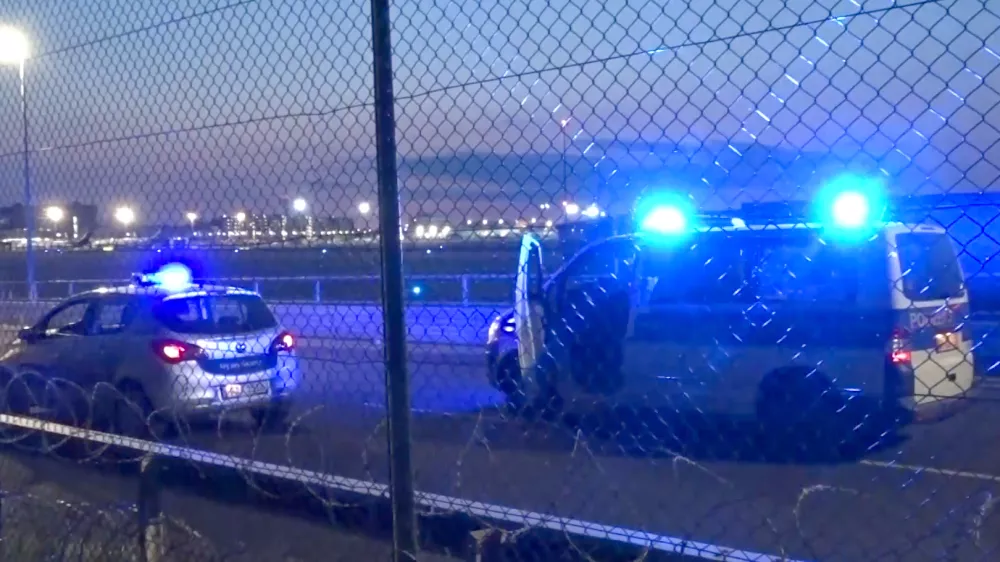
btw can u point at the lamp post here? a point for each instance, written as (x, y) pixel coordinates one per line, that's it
(14, 51)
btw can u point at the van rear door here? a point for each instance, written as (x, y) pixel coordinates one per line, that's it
(931, 306)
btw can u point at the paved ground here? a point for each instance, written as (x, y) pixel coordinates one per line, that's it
(928, 493)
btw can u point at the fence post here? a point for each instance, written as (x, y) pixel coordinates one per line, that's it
(465, 290)
(152, 531)
(69, 290)
(29, 202)
(397, 383)
(256, 287)
(317, 292)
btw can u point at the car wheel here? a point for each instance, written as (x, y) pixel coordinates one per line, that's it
(133, 414)
(270, 417)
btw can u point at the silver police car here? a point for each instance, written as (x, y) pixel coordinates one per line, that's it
(139, 358)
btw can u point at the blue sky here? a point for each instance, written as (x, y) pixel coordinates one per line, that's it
(218, 104)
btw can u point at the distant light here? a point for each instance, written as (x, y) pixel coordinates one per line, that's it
(191, 217)
(432, 231)
(364, 207)
(533, 220)
(125, 215)
(500, 221)
(299, 205)
(445, 231)
(241, 216)
(850, 210)
(739, 223)
(468, 221)
(592, 211)
(572, 209)
(428, 250)
(416, 290)
(548, 224)
(14, 46)
(485, 221)
(420, 231)
(55, 214)
(665, 220)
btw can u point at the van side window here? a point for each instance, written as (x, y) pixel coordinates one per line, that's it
(806, 270)
(704, 272)
(610, 263)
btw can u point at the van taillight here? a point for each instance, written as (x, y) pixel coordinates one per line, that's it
(175, 352)
(899, 347)
(284, 342)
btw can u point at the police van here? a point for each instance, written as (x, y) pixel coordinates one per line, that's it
(785, 321)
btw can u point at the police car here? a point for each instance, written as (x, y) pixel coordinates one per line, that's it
(781, 320)
(138, 358)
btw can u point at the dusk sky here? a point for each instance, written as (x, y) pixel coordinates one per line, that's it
(223, 105)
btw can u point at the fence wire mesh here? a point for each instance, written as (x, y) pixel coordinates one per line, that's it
(705, 278)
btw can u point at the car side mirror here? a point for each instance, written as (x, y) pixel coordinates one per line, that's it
(28, 335)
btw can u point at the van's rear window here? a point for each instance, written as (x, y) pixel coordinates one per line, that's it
(930, 267)
(215, 314)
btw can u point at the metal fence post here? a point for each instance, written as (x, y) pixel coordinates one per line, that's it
(465, 290)
(29, 203)
(70, 291)
(317, 292)
(152, 531)
(397, 383)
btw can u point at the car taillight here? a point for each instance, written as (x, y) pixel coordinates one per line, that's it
(174, 352)
(899, 347)
(284, 342)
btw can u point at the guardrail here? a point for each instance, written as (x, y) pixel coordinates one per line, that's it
(439, 288)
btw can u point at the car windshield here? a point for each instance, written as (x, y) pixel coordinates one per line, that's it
(929, 265)
(215, 314)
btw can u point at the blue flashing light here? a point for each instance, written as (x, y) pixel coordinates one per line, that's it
(664, 220)
(850, 209)
(851, 206)
(170, 277)
(416, 290)
(665, 214)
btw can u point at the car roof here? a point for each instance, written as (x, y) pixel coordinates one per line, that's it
(157, 292)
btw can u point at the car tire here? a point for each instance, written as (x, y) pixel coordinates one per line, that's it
(132, 414)
(270, 417)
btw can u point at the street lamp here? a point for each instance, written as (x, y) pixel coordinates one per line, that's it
(364, 207)
(241, 217)
(191, 217)
(55, 214)
(14, 51)
(125, 215)
(299, 205)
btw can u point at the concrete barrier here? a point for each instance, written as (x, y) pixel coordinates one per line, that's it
(438, 324)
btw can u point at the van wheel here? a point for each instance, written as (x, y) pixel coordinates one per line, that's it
(545, 405)
(799, 409)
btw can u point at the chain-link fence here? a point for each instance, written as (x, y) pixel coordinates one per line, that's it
(558, 280)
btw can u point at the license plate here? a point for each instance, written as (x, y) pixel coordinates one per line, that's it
(947, 341)
(250, 389)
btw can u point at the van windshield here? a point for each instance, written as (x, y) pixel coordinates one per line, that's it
(215, 314)
(930, 267)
